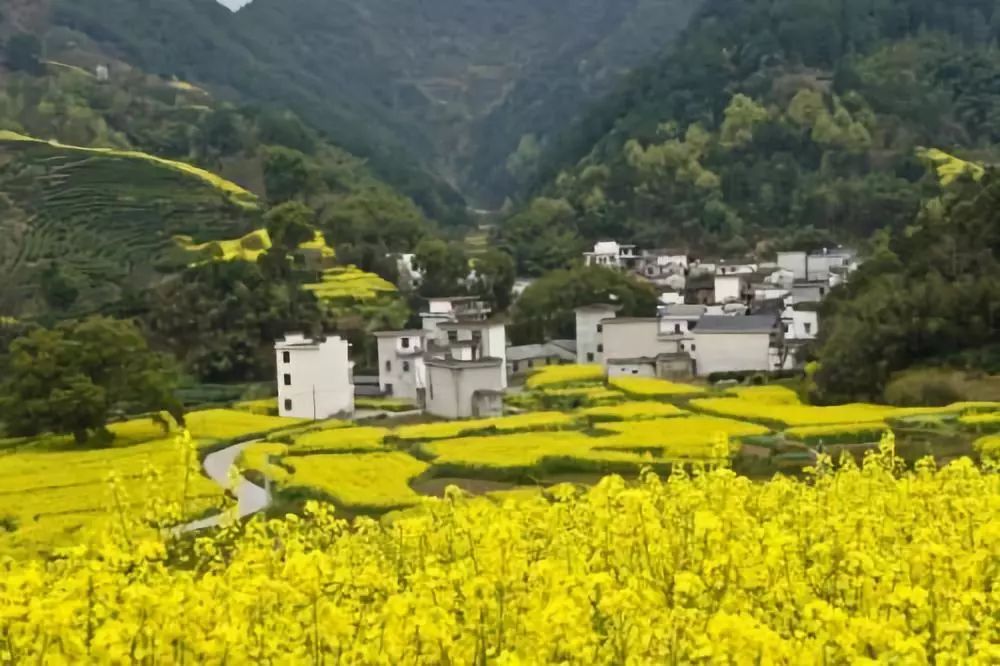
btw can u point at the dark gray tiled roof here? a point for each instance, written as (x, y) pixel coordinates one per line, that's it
(737, 324)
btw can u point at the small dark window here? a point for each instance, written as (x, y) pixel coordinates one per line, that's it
(515, 366)
(288, 405)
(590, 357)
(822, 291)
(635, 372)
(452, 336)
(430, 387)
(286, 357)
(406, 343)
(406, 366)
(531, 363)
(600, 348)
(808, 327)
(677, 328)
(693, 348)
(288, 380)
(388, 366)
(600, 328)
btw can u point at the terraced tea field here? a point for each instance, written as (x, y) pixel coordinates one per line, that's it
(108, 219)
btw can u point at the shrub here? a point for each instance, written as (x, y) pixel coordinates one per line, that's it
(838, 434)
(926, 386)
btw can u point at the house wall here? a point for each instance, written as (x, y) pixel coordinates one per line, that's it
(495, 346)
(802, 324)
(320, 379)
(809, 293)
(731, 352)
(638, 369)
(403, 383)
(669, 325)
(588, 338)
(727, 288)
(635, 339)
(794, 262)
(674, 367)
(450, 390)
(820, 264)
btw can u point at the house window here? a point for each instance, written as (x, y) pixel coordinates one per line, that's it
(288, 380)
(288, 405)
(808, 326)
(388, 366)
(822, 291)
(531, 363)
(286, 357)
(600, 328)
(600, 348)
(677, 328)
(406, 366)
(693, 348)
(590, 357)
(430, 387)
(515, 366)
(452, 336)
(635, 372)
(405, 342)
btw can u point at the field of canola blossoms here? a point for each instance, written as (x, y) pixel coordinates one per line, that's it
(858, 565)
(51, 491)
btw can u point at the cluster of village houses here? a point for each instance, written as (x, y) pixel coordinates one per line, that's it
(714, 316)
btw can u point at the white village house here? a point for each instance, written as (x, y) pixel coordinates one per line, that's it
(314, 377)
(455, 366)
(611, 254)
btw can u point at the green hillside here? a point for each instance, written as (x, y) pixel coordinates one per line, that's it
(455, 88)
(770, 116)
(82, 225)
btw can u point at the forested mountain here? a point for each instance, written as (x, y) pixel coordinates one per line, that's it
(471, 90)
(90, 219)
(771, 116)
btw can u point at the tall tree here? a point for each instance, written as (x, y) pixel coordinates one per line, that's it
(71, 378)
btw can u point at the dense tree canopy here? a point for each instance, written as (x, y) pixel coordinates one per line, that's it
(546, 308)
(771, 115)
(928, 294)
(71, 378)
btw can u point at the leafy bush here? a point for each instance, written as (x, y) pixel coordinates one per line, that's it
(932, 386)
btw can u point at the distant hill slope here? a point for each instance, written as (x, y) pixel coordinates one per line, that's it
(771, 117)
(456, 87)
(81, 226)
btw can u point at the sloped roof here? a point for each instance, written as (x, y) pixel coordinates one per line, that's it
(736, 324)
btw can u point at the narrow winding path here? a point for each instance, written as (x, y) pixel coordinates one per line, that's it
(250, 498)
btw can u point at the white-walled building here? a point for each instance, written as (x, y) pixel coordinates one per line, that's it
(804, 291)
(401, 371)
(611, 254)
(459, 389)
(680, 319)
(314, 377)
(737, 267)
(478, 340)
(740, 343)
(589, 326)
(448, 309)
(632, 337)
(795, 262)
(730, 288)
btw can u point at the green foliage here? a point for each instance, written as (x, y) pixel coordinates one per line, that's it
(542, 237)
(69, 379)
(546, 309)
(494, 278)
(444, 267)
(930, 292)
(23, 53)
(451, 87)
(221, 319)
(768, 116)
